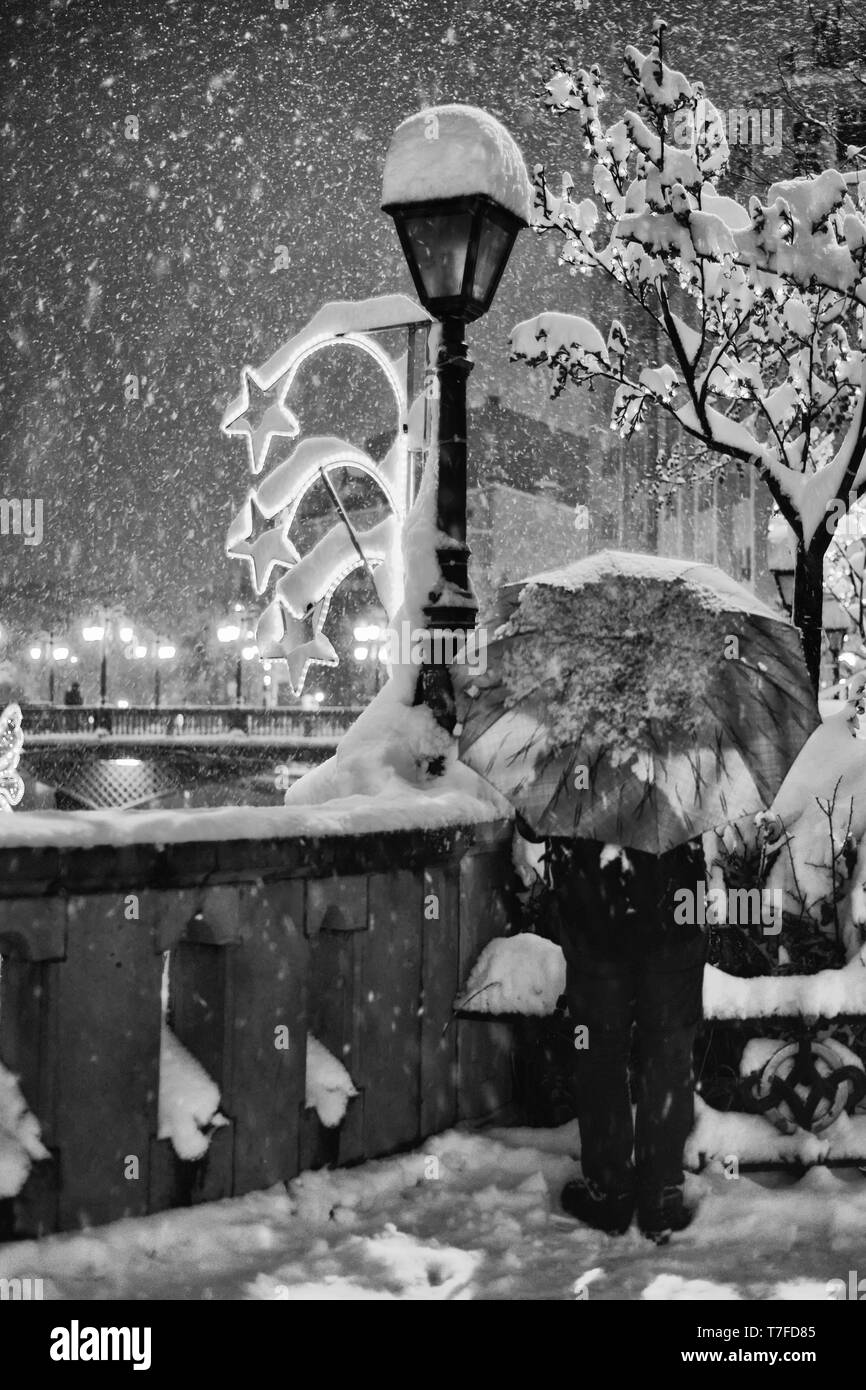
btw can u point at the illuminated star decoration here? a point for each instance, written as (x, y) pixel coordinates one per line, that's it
(271, 547)
(275, 419)
(11, 743)
(282, 637)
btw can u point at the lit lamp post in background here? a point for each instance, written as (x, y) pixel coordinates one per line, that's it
(782, 560)
(97, 632)
(48, 652)
(457, 189)
(164, 651)
(371, 649)
(62, 654)
(837, 623)
(239, 631)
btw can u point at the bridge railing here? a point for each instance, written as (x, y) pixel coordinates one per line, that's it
(189, 720)
(361, 940)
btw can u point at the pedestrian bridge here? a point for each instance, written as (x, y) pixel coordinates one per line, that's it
(96, 757)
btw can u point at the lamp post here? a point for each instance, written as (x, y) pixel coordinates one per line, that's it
(238, 630)
(36, 654)
(164, 652)
(371, 649)
(96, 632)
(836, 622)
(782, 559)
(456, 186)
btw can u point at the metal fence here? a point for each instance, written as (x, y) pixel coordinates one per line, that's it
(189, 720)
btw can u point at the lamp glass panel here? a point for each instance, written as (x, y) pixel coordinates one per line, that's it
(439, 246)
(494, 247)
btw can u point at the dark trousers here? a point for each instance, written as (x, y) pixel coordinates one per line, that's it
(650, 993)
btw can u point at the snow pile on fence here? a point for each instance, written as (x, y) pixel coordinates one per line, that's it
(522, 974)
(20, 1141)
(329, 1085)
(826, 994)
(525, 974)
(188, 1100)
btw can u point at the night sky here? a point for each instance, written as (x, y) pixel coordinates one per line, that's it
(258, 126)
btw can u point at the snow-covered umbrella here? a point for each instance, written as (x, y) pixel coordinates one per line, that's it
(635, 700)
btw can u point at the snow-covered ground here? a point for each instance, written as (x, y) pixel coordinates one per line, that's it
(469, 1216)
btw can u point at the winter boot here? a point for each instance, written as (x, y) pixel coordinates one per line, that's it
(662, 1213)
(605, 1211)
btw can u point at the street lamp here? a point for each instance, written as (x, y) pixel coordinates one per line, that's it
(96, 632)
(238, 630)
(836, 622)
(782, 559)
(164, 651)
(45, 650)
(371, 646)
(456, 186)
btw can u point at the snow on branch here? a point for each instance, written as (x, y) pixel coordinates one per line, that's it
(767, 358)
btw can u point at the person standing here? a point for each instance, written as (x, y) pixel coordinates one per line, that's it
(634, 988)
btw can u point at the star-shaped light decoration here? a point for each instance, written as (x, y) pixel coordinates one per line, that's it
(11, 743)
(274, 418)
(271, 547)
(300, 642)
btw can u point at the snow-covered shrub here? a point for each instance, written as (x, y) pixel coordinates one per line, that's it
(808, 847)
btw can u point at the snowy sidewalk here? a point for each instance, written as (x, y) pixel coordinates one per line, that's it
(468, 1217)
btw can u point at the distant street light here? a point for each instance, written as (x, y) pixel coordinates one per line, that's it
(457, 188)
(836, 622)
(164, 652)
(371, 648)
(239, 631)
(782, 559)
(98, 632)
(46, 651)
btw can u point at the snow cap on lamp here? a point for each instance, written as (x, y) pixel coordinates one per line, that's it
(450, 151)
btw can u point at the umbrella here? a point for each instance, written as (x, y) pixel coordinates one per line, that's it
(636, 700)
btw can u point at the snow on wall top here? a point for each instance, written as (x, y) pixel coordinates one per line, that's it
(448, 151)
(402, 809)
(714, 588)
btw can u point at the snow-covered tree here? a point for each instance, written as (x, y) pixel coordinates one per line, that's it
(760, 309)
(845, 581)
